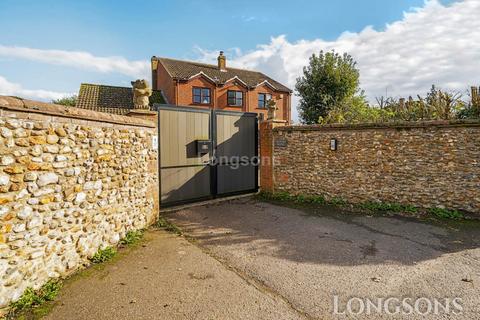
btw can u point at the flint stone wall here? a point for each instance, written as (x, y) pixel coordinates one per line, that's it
(71, 182)
(431, 164)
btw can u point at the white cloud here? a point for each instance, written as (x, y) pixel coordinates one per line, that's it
(14, 89)
(80, 60)
(435, 44)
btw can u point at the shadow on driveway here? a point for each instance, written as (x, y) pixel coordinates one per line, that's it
(325, 234)
(309, 255)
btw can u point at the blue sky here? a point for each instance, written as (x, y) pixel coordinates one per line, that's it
(136, 30)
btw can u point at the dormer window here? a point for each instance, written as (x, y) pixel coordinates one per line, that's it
(235, 98)
(201, 95)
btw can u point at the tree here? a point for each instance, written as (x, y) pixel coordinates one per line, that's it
(69, 101)
(329, 80)
(356, 110)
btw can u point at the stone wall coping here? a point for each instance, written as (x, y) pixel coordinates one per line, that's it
(31, 106)
(385, 125)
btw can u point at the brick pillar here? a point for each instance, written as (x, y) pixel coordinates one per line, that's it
(266, 154)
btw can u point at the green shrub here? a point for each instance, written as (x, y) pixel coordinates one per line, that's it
(356, 110)
(69, 101)
(103, 255)
(337, 201)
(385, 206)
(373, 206)
(132, 237)
(285, 196)
(310, 199)
(445, 213)
(436, 105)
(32, 298)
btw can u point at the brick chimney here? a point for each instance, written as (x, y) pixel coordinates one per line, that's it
(154, 66)
(222, 62)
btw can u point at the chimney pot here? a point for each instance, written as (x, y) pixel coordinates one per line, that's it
(222, 62)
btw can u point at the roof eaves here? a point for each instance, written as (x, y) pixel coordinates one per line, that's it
(201, 73)
(160, 60)
(267, 83)
(101, 85)
(238, 79)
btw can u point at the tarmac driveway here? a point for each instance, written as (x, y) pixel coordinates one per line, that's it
(308, 256)
(247, 259)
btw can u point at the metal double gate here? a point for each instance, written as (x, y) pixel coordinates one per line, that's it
(206, 154)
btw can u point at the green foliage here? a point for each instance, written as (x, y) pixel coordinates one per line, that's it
(373, 206)
(287, 197)
(390, 207)
(168, 226)
(70, 101)
(103, 255)
(32, 298)
(356, 110)
(469, 113)
(328, 80)
(337, 201)
(310, 199)
(472, 110)
(132, 237)
(445, 213)
(29, 299)
(278, 196)
(437, 105)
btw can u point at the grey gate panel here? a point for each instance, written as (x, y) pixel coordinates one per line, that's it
(229, 167)
(184, 174)
(236, 152)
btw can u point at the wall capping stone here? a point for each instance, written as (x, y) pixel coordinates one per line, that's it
(30, 106)
(385, 125)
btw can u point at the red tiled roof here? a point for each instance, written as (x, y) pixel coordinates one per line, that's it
(184, 70)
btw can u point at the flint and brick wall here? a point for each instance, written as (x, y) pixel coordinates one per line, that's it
(72, 181)
(433, 164)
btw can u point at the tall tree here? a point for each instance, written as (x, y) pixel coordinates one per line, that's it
(328, 80)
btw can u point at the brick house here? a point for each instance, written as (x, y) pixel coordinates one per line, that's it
(187, 83)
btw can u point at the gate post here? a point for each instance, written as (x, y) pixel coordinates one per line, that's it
(266, 154)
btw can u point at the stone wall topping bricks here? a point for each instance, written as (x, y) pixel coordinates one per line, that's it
(72, 181)
(425, 164)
